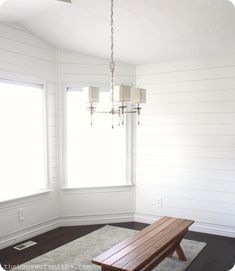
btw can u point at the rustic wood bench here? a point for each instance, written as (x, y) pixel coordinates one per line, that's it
(147, 248)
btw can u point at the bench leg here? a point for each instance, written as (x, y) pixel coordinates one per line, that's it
(180, 253)
(178, 249)
(171, 254)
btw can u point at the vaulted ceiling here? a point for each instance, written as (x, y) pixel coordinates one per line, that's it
(145, 30)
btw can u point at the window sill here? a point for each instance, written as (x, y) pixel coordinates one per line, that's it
(100, 189)
(24, 198)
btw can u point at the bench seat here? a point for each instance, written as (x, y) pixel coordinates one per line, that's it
(147, 248)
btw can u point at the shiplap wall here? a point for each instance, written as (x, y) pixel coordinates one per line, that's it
(186, 144)
(91, 205)
(26, 58)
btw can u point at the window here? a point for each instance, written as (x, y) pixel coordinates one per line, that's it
(96, 155)
(21, 141)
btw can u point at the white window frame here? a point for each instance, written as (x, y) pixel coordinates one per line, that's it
(32, 82)
(130, 143)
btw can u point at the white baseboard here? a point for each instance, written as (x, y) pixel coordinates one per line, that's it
(197, 227)
(103, 219)
(96, 219)
(28, 232)
(35, 230)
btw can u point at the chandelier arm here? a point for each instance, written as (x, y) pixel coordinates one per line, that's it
(131, 112)
(115, 112)
(107, 112)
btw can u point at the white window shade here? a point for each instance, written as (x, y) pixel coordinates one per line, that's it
(96, 156)
(21, 141)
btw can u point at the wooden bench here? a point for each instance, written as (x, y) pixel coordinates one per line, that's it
(147, 248)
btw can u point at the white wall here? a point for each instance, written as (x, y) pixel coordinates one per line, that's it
(24, 57)
(186, 143)
(86, 206)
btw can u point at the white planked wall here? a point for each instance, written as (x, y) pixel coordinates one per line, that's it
(24, 57)
(86, 206)
(186, 143)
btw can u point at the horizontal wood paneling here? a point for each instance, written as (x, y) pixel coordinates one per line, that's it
(187, 65)
(82, 70)
(18, 34)
(188, 140)
(24, 57)
(187, 162)
(94, 69)
(190, 86)
(187, 76)
(77, 70)
(94, 79)
(208, 96)
(185, 151)
(27, 49)
(187, 119)
(190, 129)
(186, 173)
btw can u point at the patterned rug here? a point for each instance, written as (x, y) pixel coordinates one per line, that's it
(77, 254)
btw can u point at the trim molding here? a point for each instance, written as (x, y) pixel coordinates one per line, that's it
(65, 221)
(27, 233)
(95, 190)
(96, 219)
(197, 226)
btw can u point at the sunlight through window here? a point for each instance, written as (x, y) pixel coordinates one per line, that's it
(21, 141)
(96, 156)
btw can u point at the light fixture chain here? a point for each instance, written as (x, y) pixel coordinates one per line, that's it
(126, 93)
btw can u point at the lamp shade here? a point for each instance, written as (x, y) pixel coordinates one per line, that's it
(122, 93)
(138, 95)
(91, 94)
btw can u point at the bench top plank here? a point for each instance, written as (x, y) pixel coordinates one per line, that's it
(138, 250)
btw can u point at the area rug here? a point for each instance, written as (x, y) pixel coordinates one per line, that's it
(77, 254)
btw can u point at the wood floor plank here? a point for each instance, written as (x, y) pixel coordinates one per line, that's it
(210, 259)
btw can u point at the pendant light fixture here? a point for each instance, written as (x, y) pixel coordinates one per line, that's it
(120, 95)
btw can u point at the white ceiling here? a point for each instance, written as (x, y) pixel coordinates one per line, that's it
(145, 30)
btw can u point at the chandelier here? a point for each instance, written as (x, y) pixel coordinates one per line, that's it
(124, 99)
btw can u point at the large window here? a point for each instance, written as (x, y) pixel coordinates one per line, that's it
(96, 156)
(21, 141)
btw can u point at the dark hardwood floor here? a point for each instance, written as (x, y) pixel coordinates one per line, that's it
(219, 254)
